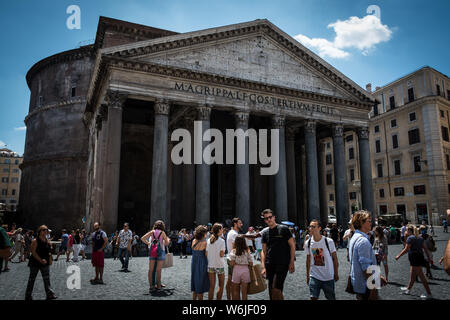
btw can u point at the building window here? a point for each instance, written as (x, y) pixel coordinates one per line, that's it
(331, 197)
(399, 192)
(394, 141)
(40, 101)
(412, 117)
(352, 195)
(380, 170)
(444, 133)
(4, 192)
(349, 138)
(331, 209)
(5, 170)
(394, 123)
(392, 102)
(16, 162)
(383, 209)
(376, 129)
(352, 174)
(329, 179)
(13, 192)
(438, 90)
(448, 94)
(14, 180)
(442, 113)
(375, 110)
(351, 153)
(328, 145)
(73, 91)
(397, 168)
(328, 159)
(8, 161)
(417, 166)
(377, 146)
(448, 187)
(447, 159)
(419, 189)
(5, 179)
(381, 192)
(411, 94)
(15, 170)
(414, 136)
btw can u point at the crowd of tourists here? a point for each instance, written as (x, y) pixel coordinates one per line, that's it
(219, 252)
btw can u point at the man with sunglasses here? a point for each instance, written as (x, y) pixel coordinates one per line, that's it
(277, 255)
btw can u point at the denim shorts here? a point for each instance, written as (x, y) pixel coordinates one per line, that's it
(162, 257)
(327, 287)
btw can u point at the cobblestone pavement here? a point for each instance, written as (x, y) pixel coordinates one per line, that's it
(134, 285)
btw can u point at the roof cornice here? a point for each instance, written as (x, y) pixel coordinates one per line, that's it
(70, 55)
(109, 62)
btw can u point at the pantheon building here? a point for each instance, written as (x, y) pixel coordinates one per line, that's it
(101, 116)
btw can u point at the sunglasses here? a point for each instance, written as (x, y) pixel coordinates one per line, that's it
(267, 218)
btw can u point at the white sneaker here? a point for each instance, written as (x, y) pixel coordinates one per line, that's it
(426, 296)
(405, 290)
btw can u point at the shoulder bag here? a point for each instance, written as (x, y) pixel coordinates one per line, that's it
(349, 288)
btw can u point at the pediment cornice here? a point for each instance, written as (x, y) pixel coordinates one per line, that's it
(262, 27)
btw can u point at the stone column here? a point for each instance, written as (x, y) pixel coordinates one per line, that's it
(203, 173)
(299, 183)
(111, 160)
(366, 172)
(291, 174)
(281, 201)
(312, 178)
(340, 175)
(159, 168)
(243, 175)
(322, 183)
(188, 194)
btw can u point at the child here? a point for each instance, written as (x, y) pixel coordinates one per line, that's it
(241, 259)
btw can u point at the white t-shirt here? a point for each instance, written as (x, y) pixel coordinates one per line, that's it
(213, 250)
(231, 236)
(321, 261)
(249, 241)
(258, 243)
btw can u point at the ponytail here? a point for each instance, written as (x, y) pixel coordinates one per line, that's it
(215, 232)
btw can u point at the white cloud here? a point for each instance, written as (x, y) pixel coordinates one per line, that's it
(359, 33)
(2, 144)
(324, 47)
(20, 129)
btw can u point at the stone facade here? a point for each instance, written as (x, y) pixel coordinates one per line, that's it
(248, 75)
(10, 175)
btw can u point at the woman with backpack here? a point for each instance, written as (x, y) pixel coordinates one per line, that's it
(415, 247)
(156, 240)
(380, 248)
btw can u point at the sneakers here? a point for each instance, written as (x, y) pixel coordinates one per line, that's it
(405, 290)
(426, 296)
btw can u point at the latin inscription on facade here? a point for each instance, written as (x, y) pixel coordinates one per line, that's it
(286, 104)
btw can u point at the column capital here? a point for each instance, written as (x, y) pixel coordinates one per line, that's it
(203, 112)
(241, 117)
(337, 130)
(115, 99)
(290, 133)
(278, 121)
(162, 106)
(363, 133)
(310, 126)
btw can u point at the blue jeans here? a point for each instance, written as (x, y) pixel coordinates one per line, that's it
(127, 256)
(327, 287)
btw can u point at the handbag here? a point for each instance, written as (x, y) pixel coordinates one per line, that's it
(349, 288)
(257, 282)
(168, 261)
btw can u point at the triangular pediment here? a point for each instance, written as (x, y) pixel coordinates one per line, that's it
(256, 51)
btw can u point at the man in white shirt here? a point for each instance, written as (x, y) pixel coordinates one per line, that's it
(322, 269)
(124, 241)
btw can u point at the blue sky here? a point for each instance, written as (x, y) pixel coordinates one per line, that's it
(410, 34)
